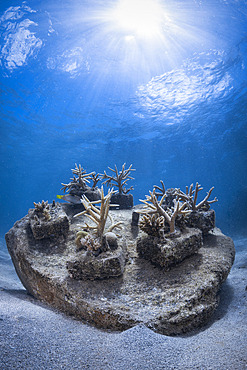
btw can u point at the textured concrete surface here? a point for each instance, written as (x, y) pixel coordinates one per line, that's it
(169, 302)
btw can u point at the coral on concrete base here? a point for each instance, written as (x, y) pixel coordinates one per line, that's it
(48, 221)
(168, 252)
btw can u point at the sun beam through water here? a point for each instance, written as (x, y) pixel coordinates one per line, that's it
(134, 40)
(143, 18)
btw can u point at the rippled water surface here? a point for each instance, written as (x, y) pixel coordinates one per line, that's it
(77, 88)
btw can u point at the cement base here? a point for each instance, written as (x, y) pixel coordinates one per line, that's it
(169, 302)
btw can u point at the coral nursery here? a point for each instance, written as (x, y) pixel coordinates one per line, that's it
(90, 248)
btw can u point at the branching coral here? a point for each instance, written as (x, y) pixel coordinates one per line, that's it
(80, 181)
(120, 179)
(98, 215)
(191, 197)
(162, 189)
(173, 202)
(88, 242)
(155, 207)
(171, 194)
(95, 177)
(81, 173)
(152, 224)
(43, 208)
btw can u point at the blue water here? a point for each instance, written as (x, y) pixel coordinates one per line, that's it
(75, 88)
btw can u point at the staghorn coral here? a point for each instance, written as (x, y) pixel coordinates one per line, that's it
(98, 215)
(81, 173)
(41, 205)
(78, 182)
(42, 208)
(190, 197)
(120, 179)
(171, 195)
(173, 205)
(89, 242)
(153, 206)
(152, 224)
(162, 189)
(95, 177)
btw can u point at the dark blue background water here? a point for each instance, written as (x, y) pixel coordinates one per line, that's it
(76, 89)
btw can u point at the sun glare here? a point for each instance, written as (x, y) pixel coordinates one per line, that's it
(144, 37)
(143, 18)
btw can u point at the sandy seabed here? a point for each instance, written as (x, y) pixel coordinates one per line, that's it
(34, 336)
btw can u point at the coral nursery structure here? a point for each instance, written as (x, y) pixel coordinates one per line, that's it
(103, 258)
(48, 221)
(173, 203)
(119, 179)
(70, 257)
(78, 186)
(155, 207)
(174, 224)
(97, 215)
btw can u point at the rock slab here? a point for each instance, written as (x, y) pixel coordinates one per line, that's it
(169, 302)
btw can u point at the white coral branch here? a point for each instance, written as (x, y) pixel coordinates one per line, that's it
(191, 201)
(155, 206)
(98, 216)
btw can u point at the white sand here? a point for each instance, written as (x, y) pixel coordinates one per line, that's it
(34, 336)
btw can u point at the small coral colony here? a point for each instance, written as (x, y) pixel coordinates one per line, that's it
(164, 214)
